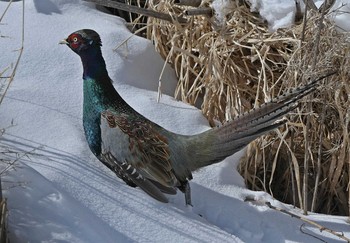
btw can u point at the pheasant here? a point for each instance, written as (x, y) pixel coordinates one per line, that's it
(144, 154)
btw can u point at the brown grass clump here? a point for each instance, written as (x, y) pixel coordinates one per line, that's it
(228, 68)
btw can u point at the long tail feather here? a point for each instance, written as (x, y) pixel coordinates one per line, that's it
(218, 143)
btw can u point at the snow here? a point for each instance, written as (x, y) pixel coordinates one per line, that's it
(59, 192)
(281, 13)
(278, 13)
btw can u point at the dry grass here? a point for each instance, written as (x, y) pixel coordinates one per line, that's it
(232, 67)
(5, 80)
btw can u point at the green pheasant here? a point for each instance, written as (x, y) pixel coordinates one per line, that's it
(143, 153)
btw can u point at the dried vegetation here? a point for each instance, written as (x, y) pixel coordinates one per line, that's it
(229, 67)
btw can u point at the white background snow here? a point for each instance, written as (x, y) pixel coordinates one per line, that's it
(59, 192)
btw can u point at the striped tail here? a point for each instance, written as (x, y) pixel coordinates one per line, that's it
(219, 143)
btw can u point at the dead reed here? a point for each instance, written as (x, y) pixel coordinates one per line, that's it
(232, 63)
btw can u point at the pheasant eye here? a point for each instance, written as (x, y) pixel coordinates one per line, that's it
(75, 41)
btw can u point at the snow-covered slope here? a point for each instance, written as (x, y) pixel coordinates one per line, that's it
(59, 192)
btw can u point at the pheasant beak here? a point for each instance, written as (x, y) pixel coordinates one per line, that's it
(64, 41)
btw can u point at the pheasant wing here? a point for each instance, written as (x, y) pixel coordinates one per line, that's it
(132, 177)
(137, 142)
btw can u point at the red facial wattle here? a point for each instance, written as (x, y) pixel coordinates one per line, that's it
(75, 41)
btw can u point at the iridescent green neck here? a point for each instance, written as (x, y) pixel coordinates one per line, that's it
(92, 108)
(95, 87)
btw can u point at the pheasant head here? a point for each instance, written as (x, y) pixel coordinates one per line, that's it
(82, 40)
(87, 44)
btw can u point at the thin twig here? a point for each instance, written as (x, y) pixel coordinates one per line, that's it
(310, 4)
(304, 21)
(326, 6)
(3, 221)
(306, 162)
(11, 77)
(138, 10)
(309, 234)
(126, 40)
(192, 3)
(7, 7)
(199, 11)
(318, 164)
(160, 79)
(12, 163)
(322, 228)
(292, 145)
(317, 38)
